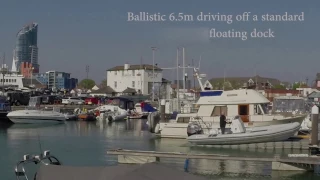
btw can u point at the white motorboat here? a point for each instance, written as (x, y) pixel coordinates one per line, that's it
(70, 116)
(32, 115)
(116, 109)
(293, 105)
(239, 134)
(250, 104)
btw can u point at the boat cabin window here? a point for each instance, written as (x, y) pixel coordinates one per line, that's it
(218, 110)
(183, 119)
(258, 110)
(130, 105)
(264, 108)
(122, 105)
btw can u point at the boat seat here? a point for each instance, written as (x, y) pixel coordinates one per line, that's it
(237, 125)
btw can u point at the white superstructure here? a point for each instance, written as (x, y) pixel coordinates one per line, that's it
(138, 77)
(10, 78)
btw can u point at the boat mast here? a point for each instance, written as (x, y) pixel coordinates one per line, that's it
(178, 79)
(224, 76)
(183, 70)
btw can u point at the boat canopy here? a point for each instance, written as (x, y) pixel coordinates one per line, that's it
(289, 104)
(239, 96)
(146, 107)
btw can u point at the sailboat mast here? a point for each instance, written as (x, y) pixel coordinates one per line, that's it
(178, 103)
(184, 70)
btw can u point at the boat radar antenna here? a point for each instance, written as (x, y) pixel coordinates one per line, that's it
(196, 74)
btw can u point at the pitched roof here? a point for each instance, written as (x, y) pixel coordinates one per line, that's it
(27, 82)
(136, 67)
(314, 94)
(241, 80)
(129, 90)
(106, 90)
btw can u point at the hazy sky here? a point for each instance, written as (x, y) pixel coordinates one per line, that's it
(74, 33)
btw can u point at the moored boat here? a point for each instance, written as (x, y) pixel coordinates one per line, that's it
(240, 135)
(250, 104)
(34, 115)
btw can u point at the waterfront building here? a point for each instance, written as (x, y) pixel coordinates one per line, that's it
(26, 48)
(58, 80)
(137, 77)
(15, 80)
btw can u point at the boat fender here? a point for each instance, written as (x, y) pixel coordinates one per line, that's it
(213, 132)
(77, 110)
(194, 128)
(157, 129)
(186, 165)
(309, 124)
(110, 118)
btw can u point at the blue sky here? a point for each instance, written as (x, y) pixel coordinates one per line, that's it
(74, 33)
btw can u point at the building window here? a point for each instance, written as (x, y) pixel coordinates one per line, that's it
(115, 72)
(115, 84)
(133, 72)
(133, 84)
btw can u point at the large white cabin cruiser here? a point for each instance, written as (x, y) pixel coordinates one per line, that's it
(34, 115)
(249, 104)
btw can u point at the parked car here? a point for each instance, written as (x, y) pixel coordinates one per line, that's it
(72, 100)
(51, 99)
(91, 100)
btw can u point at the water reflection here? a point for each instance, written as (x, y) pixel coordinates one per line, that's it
(85, 144)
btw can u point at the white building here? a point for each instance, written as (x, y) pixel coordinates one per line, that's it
(138, 77)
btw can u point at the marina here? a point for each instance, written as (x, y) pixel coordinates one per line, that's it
(96, 95)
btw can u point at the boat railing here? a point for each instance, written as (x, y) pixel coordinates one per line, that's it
(246, 118)
(20, 170)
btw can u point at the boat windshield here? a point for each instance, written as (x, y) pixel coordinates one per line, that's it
(289, 104)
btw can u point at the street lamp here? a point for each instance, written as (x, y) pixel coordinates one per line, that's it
(153, 50)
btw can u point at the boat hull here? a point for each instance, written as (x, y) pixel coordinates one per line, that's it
(271, 133)
(179, 130)
(36, 117)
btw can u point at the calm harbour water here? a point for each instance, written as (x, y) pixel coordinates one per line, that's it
(86, 143)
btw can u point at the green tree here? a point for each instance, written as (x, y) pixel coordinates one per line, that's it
(279, 86)
(87, 83)
(104, 83)
(296, 85)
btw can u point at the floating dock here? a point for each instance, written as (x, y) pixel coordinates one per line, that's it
(305, 163)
